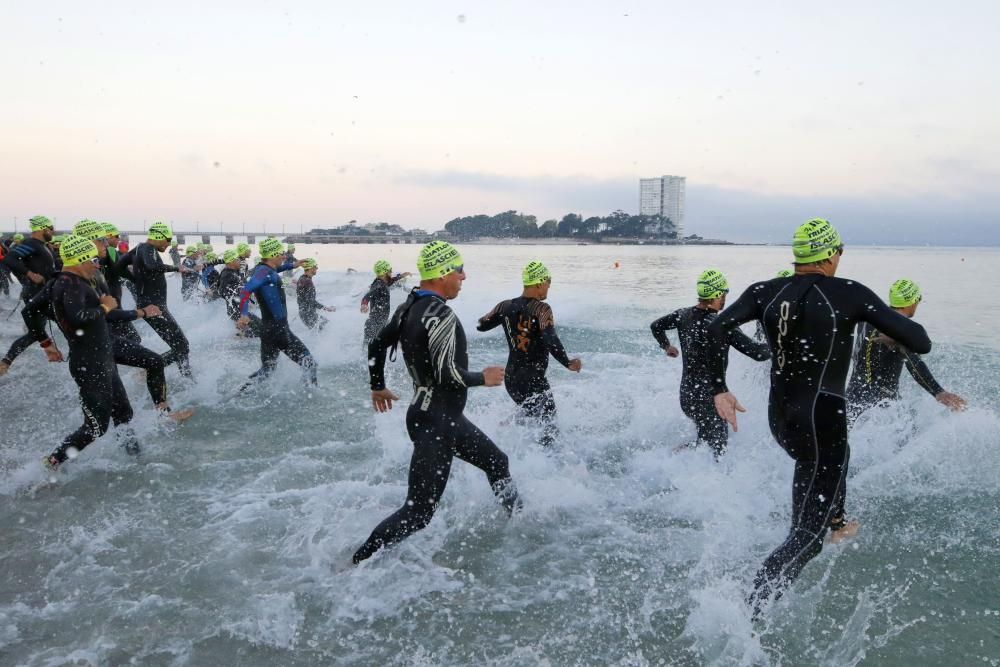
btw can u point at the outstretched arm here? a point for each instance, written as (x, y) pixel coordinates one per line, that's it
(743, 344)
(741, 312)
(386, 338)
(492, 319)
(918, 369)
(901, 329)
(148, 258)
(660, 327)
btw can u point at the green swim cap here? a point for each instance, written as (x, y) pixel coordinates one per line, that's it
(785, 273)
(270, 247)
(712, 284)
(109, 229)
(230, 256)
(210, 257)
(534, 273)
(77, 250)
(174, 243)
(310, 264)
(191, 250)
(815, 241)
(159, 231)
(242, 248)
(18, 237)
(59, 238)
(40, 222)
(904, 293)
(437, 259)
(205, 247)
(382, 267)
(290, 248)
(89, 229)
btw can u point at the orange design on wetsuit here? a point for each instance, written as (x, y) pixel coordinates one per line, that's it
(523, 338)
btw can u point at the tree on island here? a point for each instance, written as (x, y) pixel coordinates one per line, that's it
(512, 224)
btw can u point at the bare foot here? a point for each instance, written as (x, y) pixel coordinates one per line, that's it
(180, 415)
(844, 531)
(176, 416)
(4, 367)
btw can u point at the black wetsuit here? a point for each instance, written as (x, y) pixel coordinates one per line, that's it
(175, 256)
(148, 272)
(78, 312)
(230, 289)
(434, 349)
(113, 280)
(697, 354)
(190, 279)
(530, 329)
(126, 351)
(377, 299)
(29, 255)
(809, 321)
(877, 368)
(4, 271)
(275, 334)
(309, 307)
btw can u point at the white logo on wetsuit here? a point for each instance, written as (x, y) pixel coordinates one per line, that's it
(783, 331)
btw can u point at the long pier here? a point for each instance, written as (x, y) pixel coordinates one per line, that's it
(253, 237)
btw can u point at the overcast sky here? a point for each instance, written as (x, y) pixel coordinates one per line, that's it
(884, 117)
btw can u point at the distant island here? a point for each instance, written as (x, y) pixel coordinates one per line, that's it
(618, 227)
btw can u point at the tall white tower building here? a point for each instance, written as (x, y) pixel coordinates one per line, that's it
(663, 196)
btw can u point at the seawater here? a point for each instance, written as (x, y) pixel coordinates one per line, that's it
(225, 543)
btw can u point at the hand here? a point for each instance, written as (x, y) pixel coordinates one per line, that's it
(493, 376)
(575, 365)
(152, 311)
(673, 352)
(727, 406)
(243, 322)
(109, 301)
(953, 402)
(52, 353)
(364, 308)
(405, 274)
(298, 263)
(329, 309)
(35, 278)
(382, 400)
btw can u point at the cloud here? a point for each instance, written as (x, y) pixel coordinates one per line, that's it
(960, 218)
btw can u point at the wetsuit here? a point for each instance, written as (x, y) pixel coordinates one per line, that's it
(29, 255)
(81, 318)
(230, 290)
(175, 256)
(434, 349)
(4, 271)
(877, 368)
(210, 279)
(530, 329)
(377, 299)
(190, 279)
(126, 351)
(119, 328)
(809, 321)
(697, 353)
(150, 280)
(275, 334)
(309, 307)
